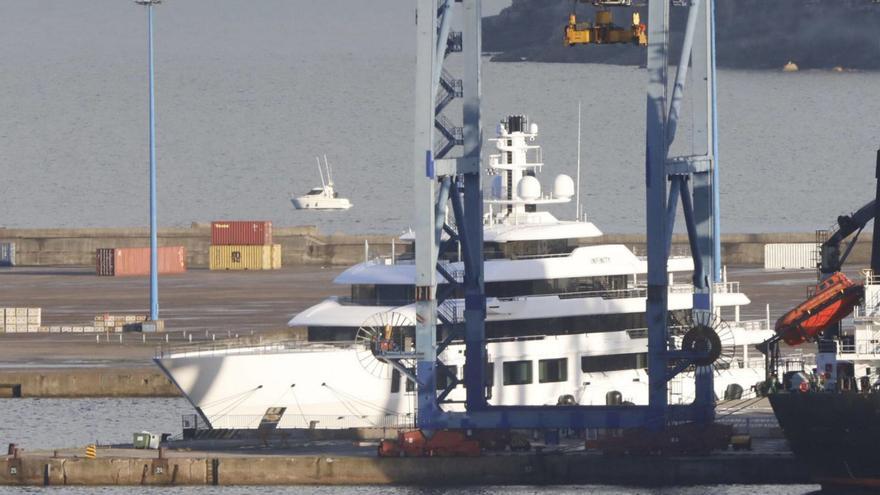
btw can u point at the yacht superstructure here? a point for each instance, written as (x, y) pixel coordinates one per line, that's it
(565, 323)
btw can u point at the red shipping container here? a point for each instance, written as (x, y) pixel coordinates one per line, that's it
(122, 262)
(241, 233)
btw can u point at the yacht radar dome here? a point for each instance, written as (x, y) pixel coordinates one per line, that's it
(563, 187)
(529, 188)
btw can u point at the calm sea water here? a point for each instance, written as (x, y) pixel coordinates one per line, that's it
(249, 92)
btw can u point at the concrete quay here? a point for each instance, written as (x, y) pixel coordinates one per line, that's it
(347, 464)
(86, 382)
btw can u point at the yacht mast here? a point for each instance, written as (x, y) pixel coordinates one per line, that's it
(321, 173)
(577, 182)
(327, 165)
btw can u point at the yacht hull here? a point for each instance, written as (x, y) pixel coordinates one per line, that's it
(307, 203)
(347, 387)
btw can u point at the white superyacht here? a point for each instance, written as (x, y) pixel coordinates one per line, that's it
(565, 324)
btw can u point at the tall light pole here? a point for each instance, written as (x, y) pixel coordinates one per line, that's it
(154, 241)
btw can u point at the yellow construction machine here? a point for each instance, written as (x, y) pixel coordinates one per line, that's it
(603, 30)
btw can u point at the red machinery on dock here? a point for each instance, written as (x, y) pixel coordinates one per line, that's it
(444, 443)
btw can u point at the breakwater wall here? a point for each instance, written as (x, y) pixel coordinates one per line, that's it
(76, 247)
(306, 245)
(86, 382)
(205, 469)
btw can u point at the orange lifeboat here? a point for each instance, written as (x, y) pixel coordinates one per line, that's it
(834, 300)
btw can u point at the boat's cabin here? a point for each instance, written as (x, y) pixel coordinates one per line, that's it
(317, 191)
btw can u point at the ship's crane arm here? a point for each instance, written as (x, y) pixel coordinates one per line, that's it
(830, 258)
(835, 296)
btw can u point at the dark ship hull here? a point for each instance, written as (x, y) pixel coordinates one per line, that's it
(837, 435)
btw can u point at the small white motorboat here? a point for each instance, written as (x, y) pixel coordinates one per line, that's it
(324, 197)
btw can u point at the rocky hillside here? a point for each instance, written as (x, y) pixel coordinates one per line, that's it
(751, 34)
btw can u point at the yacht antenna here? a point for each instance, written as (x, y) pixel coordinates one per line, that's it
(327, 164)
(321, 173)
(577, 194)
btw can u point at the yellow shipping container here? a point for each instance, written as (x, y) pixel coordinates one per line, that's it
(276, 256)
(241, 257)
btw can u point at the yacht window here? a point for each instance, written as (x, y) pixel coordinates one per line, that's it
(315, 192)
(614, 362)
(395, 383)
(518, 288)
(331, 334)
(573, 324)
(444, 380)
(552, 370)
(382, 295)
(488, 374)
(517, 372)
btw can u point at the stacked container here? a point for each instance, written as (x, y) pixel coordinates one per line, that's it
(120, 262)
(243, 245)
(118, 323)
(20, 320)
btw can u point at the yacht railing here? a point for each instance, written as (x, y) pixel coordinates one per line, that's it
(753, 325)
(241, 347)
(640, 290)
(538, 256)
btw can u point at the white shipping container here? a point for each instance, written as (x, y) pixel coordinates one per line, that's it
(54, 329)
(66, 329)
(34, 312)
(21, 320)
(33, 320)
(33, 328)
(790, 256)
(21, 312)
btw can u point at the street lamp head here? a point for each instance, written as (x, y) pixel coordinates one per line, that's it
(148, 2)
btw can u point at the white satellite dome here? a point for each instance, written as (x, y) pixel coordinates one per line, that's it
(529, 188)
(533, 128)
(499, 129)
(563, 187)
(497, 189)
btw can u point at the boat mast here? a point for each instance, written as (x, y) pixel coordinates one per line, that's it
(327, 165)
(577, 191)
(321, 173)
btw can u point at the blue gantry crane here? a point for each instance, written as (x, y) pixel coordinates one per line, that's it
(442, 181)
